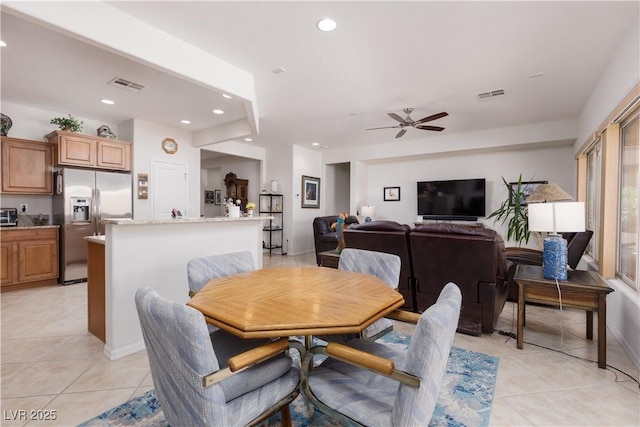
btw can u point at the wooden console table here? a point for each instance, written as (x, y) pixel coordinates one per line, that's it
(584, 290)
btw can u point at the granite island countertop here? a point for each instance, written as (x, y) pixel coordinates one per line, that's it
(29, 227)
(129, 221)
(95, 239)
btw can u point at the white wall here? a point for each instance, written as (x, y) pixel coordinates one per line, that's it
(623, 73)
(537, 163)
(244, 168)
(147, 146)
(305, 162)
(337, 183)
(211, 179)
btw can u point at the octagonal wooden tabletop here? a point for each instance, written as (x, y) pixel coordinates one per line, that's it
(279, 302)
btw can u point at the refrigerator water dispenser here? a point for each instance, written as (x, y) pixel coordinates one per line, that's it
(80, 209)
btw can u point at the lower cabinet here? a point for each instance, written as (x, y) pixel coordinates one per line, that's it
(29, 257)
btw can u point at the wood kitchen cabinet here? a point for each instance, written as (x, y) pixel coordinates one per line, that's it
(26, 166)
(28, 257)
(75, 149)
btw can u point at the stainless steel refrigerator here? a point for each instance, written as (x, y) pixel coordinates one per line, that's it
(81, 199)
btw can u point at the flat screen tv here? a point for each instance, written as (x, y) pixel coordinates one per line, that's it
(457, 199)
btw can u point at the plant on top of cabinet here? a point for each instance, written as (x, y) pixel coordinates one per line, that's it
(70, 123)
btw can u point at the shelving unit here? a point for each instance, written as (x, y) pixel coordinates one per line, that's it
(271, 204)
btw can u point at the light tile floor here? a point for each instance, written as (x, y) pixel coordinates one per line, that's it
(50, 362)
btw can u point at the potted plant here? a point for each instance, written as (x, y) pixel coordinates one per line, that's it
(70, 123)
(514, 214)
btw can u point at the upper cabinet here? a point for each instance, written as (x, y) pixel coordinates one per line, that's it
(26, 166)
(90, 151)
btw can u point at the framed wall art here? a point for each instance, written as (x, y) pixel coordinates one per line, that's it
(391, 194)
(217, 197)
(526, 188)
(208, 197)
(310, 192)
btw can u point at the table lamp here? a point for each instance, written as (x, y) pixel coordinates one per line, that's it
(553, 218)
(367, 212)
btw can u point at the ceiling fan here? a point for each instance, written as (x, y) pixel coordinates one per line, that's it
(418, 124)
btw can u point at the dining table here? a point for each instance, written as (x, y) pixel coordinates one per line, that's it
(295, 301)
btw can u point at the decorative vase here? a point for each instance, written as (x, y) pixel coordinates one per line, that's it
(339, 228)
(250, 212)
(6, 123)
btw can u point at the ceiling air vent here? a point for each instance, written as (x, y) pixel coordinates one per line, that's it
(126, 84)
(490, 94)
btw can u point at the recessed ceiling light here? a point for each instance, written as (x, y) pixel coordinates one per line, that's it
(326, 24)
(225, 95)
(2, 44)
(218, 112)
(107, 101)
(315, 144)
(248, 139)
(185, 122)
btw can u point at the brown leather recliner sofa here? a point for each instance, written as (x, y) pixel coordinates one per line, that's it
(433, 255)
(324, 237)
(473, 258)
(389, 237)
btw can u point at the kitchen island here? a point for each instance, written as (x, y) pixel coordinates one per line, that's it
(155, 253)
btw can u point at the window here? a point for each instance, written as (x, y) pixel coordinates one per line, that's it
(628, 196)
(594, 165)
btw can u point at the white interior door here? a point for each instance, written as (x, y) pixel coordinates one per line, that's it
(169, 188)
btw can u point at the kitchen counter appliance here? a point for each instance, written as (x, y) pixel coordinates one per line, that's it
(82, 198)
(8, 217)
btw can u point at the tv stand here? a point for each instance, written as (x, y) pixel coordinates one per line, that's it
(449, 218)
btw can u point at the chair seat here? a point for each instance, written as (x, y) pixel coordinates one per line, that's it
(358, 393)
(228, 345)
(245, 407)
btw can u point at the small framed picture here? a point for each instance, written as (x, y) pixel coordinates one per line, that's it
(391, 194)
(310, 192)
(526, 189)
(217, 197)
(208, 197)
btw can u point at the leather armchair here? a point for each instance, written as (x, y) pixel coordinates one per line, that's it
(388, 237)
(324, 237)
(472, 257)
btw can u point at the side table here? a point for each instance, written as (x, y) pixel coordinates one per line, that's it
(584, 290)
(329, 258)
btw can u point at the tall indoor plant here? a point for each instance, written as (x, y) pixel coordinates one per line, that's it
(513, 212)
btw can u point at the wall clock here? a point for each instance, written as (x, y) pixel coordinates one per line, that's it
(169, 145)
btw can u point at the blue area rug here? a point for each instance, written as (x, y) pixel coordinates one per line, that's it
(465, 399)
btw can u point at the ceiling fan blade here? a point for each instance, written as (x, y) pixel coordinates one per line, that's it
(402, 132)
(429, 118)
(396, 117)
(425, 127)
(385, 127)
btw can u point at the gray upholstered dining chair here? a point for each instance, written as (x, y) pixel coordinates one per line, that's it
(385, 266)
(368, 383)
(201, 270)
(193, 387)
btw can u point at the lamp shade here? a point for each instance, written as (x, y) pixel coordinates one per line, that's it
(556, 217)
(367, 212)
(548, 193)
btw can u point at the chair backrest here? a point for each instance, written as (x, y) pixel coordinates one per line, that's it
(389, 237)
(426, 358)
(577, 244)
(201, 270)
(385, 266)
(180, 355)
